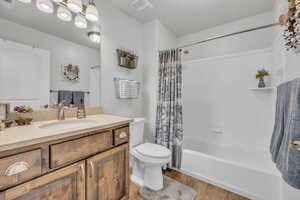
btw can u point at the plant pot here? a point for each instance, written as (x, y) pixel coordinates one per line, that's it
(24, 119)
(123, 61)
(23, 122)
(133, 63)
(261, 83)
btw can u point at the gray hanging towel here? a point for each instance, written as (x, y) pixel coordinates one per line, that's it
(78, 97)
(65, 95)
(287, 130)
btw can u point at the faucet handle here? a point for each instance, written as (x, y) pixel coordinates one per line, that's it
(81, 111)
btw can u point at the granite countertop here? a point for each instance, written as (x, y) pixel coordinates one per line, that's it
(21, 136)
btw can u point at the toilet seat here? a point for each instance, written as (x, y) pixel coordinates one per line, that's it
(149, 157)
(153, 151)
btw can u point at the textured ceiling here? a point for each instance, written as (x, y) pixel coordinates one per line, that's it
(189, 16)
(180, 16)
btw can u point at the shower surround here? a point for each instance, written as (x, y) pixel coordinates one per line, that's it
(228, 126)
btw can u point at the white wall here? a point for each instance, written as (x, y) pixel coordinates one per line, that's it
(234, 44)
(150, 35)
(166, 38)
(61, 52)
(217, 76)
(119, 31)
(217, 96)
(156, 38)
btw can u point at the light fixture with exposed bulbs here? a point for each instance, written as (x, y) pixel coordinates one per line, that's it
(80, 22)
(25, 1)
(45, 6)
(75, 5)
(64, 14)
(94, 36)
(65, 10)
(91, 12)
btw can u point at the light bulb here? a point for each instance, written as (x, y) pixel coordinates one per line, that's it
(94, 36)
(25, 1)
(80, 22)
(75, 5)
(64, 14)
(91, 12)
(45, 6)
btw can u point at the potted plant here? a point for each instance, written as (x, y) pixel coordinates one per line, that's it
(260, 75)
(122, 57)
(132, 60)
(127, 59)
(23, 115)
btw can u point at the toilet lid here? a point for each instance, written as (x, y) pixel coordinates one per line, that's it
(153, 150)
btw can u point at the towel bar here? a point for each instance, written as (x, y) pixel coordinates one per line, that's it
(55, 91)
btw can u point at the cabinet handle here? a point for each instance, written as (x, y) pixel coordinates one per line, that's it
(123, 135)
(92, 169)
(82, 172)
(17, 168)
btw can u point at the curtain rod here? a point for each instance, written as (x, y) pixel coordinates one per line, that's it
(228, 35)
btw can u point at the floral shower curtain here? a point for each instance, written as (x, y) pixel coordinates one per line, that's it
(169, 131)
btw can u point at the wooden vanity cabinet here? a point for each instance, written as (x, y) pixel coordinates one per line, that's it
(19, 168)
(88, 166)
(107, 175)
(70, 151)
(64, 184)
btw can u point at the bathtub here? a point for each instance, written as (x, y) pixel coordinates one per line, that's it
(248, 173)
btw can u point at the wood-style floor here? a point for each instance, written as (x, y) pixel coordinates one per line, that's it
(205, 191)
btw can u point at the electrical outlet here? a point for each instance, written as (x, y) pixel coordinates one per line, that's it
(217, 131)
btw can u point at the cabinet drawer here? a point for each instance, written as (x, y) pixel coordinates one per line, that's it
(20, 168)
(64, 184)
(121, 135)
(71, 151)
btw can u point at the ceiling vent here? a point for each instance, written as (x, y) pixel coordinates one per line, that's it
(7, 3)
(140, 5)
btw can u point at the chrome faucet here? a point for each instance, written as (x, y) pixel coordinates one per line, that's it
(61, 111)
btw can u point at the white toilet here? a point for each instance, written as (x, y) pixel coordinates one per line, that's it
(146, 159)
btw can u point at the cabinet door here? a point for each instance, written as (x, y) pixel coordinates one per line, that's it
(108, 175)
(64, 184)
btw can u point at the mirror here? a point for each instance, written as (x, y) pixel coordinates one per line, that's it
(42, 55)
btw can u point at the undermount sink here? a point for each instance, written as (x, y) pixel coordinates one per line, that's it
(67, 124)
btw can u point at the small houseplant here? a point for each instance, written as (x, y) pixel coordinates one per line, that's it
(127, 59)
(261, 74)
(23, 115)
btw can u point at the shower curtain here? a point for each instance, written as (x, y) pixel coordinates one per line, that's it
(169, 131)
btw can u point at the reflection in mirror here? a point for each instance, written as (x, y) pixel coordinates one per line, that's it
(49, 52)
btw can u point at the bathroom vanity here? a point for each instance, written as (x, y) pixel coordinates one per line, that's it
(48, 160)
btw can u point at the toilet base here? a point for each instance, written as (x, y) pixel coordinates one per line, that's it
(137, 180)
(147, 170)
(153, 178)
(147, 175)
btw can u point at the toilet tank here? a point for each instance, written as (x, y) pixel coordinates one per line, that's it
(137, 131)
